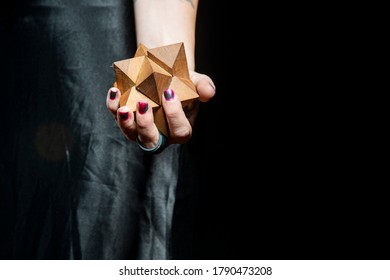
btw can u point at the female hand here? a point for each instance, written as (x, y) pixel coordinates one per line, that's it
(141, 127)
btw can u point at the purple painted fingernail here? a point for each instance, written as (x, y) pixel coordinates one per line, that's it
(169, 94)
(113, 94)
(123, 115)
(143, 107)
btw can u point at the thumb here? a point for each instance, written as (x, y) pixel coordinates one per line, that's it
(204, 86)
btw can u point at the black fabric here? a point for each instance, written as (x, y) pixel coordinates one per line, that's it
(72, 187)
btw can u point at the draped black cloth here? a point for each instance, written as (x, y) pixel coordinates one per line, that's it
(72, 187)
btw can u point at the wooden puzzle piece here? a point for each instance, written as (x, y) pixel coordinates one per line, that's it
(149, 73)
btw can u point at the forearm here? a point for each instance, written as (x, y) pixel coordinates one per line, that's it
(163, 22)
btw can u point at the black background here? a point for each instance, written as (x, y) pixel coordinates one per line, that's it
(283, 173)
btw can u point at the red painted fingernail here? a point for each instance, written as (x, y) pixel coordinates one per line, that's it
(123, 115)
(143, 107)
(113, 94)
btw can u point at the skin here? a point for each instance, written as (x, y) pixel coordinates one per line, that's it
(158, 23)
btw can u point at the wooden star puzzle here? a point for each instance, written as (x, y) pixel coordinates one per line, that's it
(149, 73)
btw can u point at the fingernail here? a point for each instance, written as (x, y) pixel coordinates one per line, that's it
(143, 107)
(113, 94)
(212, 85)
(169, 94)
(123, 115)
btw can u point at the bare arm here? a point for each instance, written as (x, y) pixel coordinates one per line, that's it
(159, 23)
(163, 22)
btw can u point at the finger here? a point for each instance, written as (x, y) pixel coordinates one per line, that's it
(148, 134)
(204, 86)
(112, 100)
(126, 122)
(179, 127)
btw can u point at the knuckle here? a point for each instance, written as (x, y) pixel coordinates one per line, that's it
(173, 113)
(182, 135)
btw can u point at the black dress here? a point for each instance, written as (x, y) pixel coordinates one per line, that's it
(72, 187)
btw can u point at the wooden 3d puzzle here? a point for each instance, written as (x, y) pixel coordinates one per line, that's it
(149, 73)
